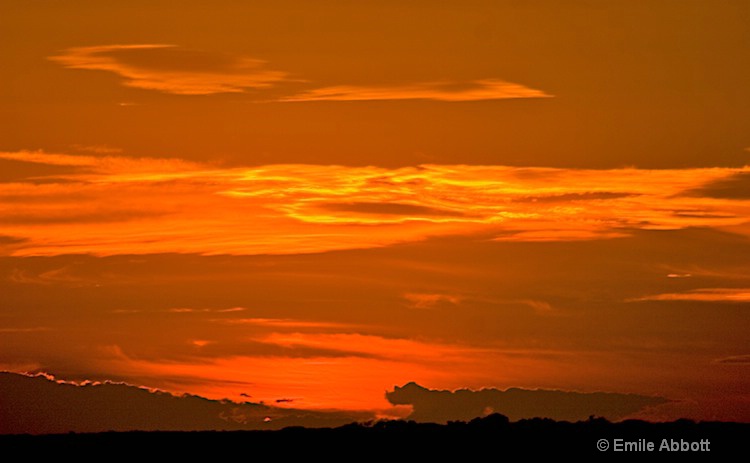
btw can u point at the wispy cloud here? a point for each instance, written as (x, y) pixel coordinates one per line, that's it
(62, 275)
(705, 295)
(98, 149)
(205, 310)
(52, 159)
(735, 360)
(282, 323)
(476, 90)
(104, 164)
(371, 345)
(431, 300)
(32, 329)
(173, 69)
(106, 205)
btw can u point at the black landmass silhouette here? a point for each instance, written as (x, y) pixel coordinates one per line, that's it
(493, 436)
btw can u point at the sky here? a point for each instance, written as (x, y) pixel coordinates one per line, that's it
(312, 204)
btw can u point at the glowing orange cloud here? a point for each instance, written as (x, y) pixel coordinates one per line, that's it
(704, 295)
(114, 205)
(171, 69)
(485, 89)
(371, 345)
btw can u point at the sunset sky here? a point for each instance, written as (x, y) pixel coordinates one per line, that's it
(311, 203)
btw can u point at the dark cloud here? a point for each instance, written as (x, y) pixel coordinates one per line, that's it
(465, 404)
(736, 186)
(9, 242)
(703, 215)
(6, 239)
(18, 171)
(735, 360)
(38, 405)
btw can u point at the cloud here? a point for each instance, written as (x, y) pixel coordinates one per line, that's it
(282, 323)
(477, 90)
(464, 404)
(555, 234)
(107, 205)
(104, 164)
(540, 307)
(735, 360)
(61, 275)
(703, 295)
(6, 240)
(173, 69)
(91, 217)
(431, 300)
(40, 404)
(389, 209)
(371, 346)
(98, 149)
(734, 187)
(32, 329)
(39, 157)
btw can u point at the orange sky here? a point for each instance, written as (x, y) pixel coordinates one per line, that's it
(320, 202)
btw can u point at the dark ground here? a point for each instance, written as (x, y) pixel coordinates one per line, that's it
(490, 437)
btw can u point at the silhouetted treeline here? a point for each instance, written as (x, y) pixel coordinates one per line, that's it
(493, 435)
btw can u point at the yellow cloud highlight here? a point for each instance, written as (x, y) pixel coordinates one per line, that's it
(120, 205)
(171, 69)
(477, 90)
